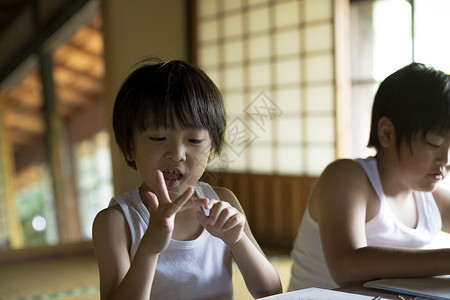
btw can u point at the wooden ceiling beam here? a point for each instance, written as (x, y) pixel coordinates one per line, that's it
(89, 39)
(78, 73)
(25, 97)
(73, 96)
(81, 61)
(23, 141)
(24, 120)
(70, 52)
(82, 80)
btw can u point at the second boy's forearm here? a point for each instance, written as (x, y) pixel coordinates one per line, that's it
(388, 262)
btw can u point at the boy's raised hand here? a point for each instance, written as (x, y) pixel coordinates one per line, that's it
(224, 221)
(162, 215)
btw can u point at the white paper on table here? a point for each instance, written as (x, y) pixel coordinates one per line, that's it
(317, 294)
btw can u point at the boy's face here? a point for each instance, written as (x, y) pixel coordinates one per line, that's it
(426, 163)
(181, 154)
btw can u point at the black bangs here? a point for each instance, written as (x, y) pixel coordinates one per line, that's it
(175, 98)
(174, 94)
(167, 94)
(416, 99)
(432, 96)
(426, 107)
(437, 119)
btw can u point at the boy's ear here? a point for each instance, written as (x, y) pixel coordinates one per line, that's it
(210, 155)
(386, 132)
(130, 155)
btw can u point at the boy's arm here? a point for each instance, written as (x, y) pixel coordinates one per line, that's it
(118, 278)
(261, 278)
(341, 204)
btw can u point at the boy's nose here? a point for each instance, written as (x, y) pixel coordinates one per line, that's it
(445, 157)
(176, 153)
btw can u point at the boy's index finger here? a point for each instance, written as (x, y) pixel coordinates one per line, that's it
(161, 192)
(181, 200)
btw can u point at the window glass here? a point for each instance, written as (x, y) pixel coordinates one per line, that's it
(431, 42)
(35, 206)
(382, 42)
(93, 179)
(392, 37)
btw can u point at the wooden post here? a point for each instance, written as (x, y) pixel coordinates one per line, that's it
(7, 186)
(59, 159)
(134, 30)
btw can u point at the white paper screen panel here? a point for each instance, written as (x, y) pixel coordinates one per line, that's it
(274, 63)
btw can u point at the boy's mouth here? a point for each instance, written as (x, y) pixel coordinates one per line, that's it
(438, 175)
(172, 177)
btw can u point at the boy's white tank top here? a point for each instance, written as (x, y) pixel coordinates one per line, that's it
(386, 230)
(309, 268)
(195, 269)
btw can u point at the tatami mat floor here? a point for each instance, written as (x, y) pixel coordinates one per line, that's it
(76, 278)
(283, 265)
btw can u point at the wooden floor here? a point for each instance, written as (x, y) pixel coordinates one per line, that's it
(75, 277)
(72, 277)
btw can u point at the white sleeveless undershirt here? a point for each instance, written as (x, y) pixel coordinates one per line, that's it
(309, 268)
(195, 269)
(386, 230)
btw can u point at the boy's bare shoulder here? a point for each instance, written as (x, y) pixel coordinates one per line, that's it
(344, 163)
(343, 174)
(111, 222)
(227, 195)
(344, 167)
(224, 193)
(109, 216)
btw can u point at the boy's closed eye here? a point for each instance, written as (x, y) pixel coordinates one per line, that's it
(161, 139)
(432, 145)
(195, 141)
(434, 140)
